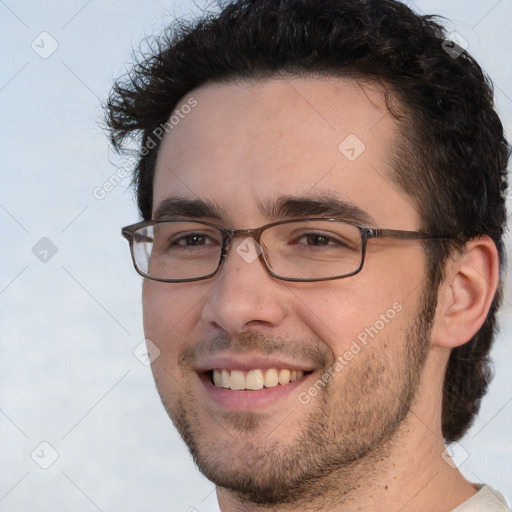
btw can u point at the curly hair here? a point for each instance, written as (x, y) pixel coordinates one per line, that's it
(451, 157)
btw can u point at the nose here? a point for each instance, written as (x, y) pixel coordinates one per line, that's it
(245, 294)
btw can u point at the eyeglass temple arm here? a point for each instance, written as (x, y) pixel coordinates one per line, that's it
(130, 234)
(402, 235)
(127, 233)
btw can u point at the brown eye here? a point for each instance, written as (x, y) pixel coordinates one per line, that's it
(192, 240)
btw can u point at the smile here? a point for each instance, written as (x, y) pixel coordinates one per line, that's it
(253, 380)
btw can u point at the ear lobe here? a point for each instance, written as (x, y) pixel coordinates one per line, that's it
(465, 296)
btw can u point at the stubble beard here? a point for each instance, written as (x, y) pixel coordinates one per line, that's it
(345, 432)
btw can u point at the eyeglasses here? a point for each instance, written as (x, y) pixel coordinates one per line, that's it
(315, 249)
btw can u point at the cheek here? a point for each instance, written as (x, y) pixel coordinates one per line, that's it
(155, 304)
(342, 312)
(169, 311)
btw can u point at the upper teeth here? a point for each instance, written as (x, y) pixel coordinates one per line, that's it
(254, 379)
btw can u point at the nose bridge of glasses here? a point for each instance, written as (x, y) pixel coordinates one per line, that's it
(246, 252)
(254, 233)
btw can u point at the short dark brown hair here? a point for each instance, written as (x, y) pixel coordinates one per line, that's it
(451, 158)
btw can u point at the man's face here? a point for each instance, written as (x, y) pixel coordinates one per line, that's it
(251, 144)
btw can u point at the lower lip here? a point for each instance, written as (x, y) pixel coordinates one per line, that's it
(247, 399)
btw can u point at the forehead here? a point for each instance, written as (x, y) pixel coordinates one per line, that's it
(248, 143)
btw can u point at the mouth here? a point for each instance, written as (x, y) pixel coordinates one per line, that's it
(253, 380)
(250, 382)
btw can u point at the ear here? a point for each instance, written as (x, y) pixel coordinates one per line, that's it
(466, 294)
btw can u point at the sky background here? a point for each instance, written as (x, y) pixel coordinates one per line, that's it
(70, 311)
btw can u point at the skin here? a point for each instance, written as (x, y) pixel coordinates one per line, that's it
(372, 438)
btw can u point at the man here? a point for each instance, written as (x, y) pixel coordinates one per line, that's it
(322, 187)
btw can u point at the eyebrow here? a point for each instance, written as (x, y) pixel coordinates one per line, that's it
(190, 208)
(326, 205)
(283, 207)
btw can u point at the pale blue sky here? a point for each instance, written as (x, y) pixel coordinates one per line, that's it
(69, 326)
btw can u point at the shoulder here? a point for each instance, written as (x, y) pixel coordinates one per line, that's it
(485, 500)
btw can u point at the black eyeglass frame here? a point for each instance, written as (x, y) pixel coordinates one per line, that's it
(228, 234)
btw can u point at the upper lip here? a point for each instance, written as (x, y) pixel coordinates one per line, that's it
(246, 362)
